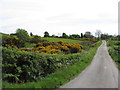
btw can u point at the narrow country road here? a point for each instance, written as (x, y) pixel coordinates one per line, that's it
(102, 73)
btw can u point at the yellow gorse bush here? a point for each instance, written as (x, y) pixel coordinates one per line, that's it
(57, 47)
(64, 48)
(53, 51)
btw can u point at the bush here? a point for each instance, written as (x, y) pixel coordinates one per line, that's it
(21, 66)
(35, 39)
(12, 41)
(57, 47)
(114, 50)
(62, 76)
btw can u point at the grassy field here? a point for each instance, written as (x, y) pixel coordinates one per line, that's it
(62, 39)
(114, 50)
(29, 45)
(55, 80)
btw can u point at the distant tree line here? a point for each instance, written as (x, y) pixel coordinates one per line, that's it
(64, 35)
(87, 34)
(21, 36)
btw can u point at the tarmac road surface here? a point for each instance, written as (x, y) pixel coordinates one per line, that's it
(101, 73)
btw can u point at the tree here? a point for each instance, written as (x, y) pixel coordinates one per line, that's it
(106, 36)
(53, 35)
(31, 34)
(35, 39)
(64, 35)
(118, 37)
(88, 35)
(22, 35)
(98, 34)
(46, 34)
(74, 36)
(82, 35)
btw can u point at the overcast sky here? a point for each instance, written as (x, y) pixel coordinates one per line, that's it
(58, 16)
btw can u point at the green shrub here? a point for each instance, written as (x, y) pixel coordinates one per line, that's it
(35, 39)
(114, 50)
(58, 78)
(27, 66)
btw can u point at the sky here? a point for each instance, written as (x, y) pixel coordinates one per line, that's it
(58, 16)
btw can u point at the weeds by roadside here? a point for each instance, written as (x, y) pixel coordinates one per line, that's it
(114, 50)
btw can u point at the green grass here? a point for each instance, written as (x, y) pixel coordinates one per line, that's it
(55, 80)
(29, 45)
(62, 39)
(114, 50)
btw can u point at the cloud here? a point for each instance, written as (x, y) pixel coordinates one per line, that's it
(54, 16)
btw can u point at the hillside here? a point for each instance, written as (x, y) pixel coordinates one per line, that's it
(62, 39)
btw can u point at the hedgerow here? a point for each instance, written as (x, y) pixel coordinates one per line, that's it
(67, 72)
(22, 66)
(114, 50)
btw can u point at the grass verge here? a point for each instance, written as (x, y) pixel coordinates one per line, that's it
(114, 50)
(55, 80)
